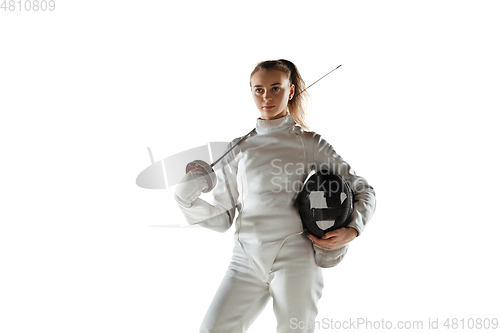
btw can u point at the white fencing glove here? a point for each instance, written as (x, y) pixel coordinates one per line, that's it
(190, 187)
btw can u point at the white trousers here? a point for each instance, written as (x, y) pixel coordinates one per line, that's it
(295, 284)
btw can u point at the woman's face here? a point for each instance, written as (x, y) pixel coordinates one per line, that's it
(271, 92)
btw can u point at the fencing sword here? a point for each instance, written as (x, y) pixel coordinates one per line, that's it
(208, 170)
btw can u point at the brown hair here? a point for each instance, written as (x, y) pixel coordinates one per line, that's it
(296, 106)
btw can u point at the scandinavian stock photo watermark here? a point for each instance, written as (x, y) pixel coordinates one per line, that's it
(283, 173)
(285, 176)
(383, 324)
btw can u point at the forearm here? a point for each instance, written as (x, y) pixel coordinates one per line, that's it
(364, 207)
(209, 216)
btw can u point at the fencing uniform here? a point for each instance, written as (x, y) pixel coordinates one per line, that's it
(272, 257)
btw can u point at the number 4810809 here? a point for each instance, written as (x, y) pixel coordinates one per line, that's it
(28, 5)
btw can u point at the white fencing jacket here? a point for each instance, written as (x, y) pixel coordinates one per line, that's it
(262, 177)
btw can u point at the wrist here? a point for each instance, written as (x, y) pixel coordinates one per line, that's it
(354, 231)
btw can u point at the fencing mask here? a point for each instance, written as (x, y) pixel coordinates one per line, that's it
(325, 203)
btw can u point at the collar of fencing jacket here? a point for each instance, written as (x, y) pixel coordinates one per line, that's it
(273, 125)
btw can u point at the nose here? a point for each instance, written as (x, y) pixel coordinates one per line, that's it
(266, 96)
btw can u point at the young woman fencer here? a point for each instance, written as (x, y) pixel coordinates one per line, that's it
(273, 256)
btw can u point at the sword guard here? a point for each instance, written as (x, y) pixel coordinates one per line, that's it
(207, 171)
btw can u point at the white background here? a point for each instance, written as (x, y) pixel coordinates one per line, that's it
(85, 89)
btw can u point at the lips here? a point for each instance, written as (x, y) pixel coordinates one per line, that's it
(267, 107)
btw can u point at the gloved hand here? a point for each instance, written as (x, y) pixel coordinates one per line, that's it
(190, 187)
